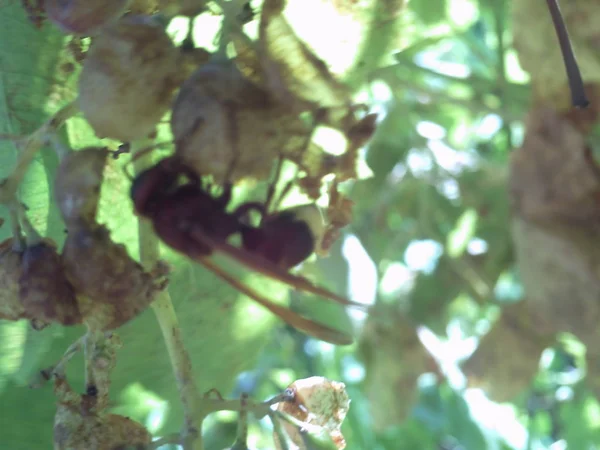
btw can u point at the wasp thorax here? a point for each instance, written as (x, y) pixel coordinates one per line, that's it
(78, 183)
(311, 215)
(226, 126)
(85, 17)
(128, 79)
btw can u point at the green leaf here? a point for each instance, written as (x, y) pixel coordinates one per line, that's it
(458, 239)
(430, 12)
(12, 340)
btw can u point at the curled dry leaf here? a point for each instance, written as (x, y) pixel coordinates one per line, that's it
(339, 214)
(78, 182)
(319, 402)
(44, 290)
(85, 17)
(81, 421)
(33, 286)
(227, 126)
(11, 307)
(291, 69)
(113, 288)
(128, 79)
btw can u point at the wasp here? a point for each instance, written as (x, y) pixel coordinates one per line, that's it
(188, 217)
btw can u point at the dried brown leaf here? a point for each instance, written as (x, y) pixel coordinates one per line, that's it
(228, 127)
(113, 288)
(44, 290)
(319, 402)
(10, 272)
(292, 71)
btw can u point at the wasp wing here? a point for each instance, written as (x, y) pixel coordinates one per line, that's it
(267, 268)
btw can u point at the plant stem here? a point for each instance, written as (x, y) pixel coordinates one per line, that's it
(169, 325)
(33, 144)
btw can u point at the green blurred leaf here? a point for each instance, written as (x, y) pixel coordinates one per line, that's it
(12, 341)
(430, 12)
(458, 239)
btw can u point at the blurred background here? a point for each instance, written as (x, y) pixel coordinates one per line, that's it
(475, 238)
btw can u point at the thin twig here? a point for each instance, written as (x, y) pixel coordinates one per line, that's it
(31, 146)
(169, 325)
(170, 439)
(578, 96)
(278, 430)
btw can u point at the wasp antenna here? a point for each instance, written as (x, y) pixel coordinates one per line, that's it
(578, 96)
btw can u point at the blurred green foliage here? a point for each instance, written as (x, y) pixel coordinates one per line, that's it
(430, 239)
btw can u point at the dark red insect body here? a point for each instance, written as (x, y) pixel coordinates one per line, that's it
(176, 210)
(188, 218)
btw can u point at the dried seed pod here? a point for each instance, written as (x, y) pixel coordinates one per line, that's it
(11, 307)
(85, 17)
(226, 126)
(78, 183)
(44, 290)
(81, 423)
(33, 286)
(319, 402)
(114, 287)
(128, 79)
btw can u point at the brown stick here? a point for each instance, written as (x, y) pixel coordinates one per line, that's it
(578, 96)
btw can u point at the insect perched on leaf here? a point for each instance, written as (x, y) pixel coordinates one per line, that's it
(190, 219)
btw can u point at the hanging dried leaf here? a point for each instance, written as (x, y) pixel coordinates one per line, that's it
(339, 215)
(319, 402)
(113, 288)
(128, 79)
(44, 290)
(11, 307)
(81, 421)
(33, 286)
(226, 126)
(291, 69)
